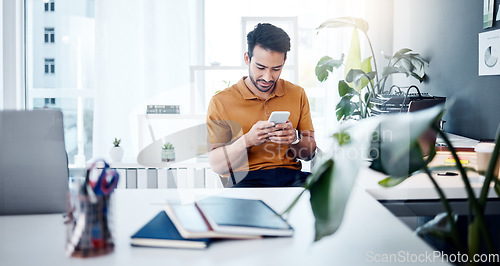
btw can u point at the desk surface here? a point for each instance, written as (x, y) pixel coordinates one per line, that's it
(369, 232)
(420, 187)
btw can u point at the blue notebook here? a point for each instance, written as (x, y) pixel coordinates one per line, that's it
(161, 232)
(243, 216)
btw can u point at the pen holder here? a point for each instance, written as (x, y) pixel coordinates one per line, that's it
(88, 227)
(88, 221)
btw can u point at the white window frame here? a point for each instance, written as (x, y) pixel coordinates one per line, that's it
(12, 78)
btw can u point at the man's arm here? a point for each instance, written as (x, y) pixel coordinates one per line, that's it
(224, 157)
(306, 147)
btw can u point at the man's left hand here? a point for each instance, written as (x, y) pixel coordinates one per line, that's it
(284, 134)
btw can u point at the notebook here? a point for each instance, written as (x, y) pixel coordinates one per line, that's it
(243, 216)
(161, 232)
(33, 162)
(190, 223)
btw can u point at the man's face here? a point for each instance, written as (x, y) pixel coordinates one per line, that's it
(264, 67)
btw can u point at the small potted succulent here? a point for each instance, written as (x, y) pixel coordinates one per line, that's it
(168, 152)
(116, 152)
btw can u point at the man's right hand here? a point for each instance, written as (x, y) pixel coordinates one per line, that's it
(259, 133)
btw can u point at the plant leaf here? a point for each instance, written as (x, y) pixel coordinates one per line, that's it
(345, 107)
(397, 148)
(392, 181)
(359, 78)
(413, 63)
(342, 137)
(354, 56)
(344, 89)
(327, 64)
(473, 240)
(394, 70)
(333, 183)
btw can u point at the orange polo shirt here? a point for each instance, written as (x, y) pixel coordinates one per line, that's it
(233, 111)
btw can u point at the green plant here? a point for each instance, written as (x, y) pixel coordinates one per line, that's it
(394, 141)
(361, 83)
(117, 142)
(168, 146)
(227, 84)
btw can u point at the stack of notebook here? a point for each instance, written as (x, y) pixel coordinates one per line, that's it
(195, 225)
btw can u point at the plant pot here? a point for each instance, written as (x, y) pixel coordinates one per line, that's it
(168, 155)
(116, 154)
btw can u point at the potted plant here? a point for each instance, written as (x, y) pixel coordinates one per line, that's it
(168, 152)
(362, 82)
(333, 178)
(116, 152)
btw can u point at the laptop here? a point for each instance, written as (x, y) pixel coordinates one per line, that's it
(33, 162)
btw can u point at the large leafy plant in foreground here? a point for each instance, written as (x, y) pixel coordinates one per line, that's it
(394, 145)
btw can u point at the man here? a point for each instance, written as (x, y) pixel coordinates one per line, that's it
(244, 145)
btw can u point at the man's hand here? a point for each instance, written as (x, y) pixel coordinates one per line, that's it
(259, 133)
(283, 133)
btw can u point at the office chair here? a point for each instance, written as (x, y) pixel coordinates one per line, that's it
(33, 162)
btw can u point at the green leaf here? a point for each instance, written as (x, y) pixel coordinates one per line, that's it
(344, 89)
(345, 22)
(473, 240)
(345, 107)
(353, 60)
(342, 137)
(402, 51)
(331, 185)
(359, 78)
(327, 64)
(392, 181)
(366, 65)
(412, 63)
(394, 70)
(397, 148)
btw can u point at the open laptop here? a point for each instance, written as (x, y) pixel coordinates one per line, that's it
(33, 162)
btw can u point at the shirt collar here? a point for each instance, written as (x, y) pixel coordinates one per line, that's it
(279, 90)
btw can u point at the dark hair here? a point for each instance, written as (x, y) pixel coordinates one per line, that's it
(268, 37)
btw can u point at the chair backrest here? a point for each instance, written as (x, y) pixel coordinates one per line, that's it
(33, 162)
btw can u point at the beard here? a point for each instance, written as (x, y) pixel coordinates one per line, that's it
(260, 88)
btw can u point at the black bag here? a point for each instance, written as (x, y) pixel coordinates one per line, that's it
(404, 102)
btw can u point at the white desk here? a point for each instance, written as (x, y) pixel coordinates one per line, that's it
(416, 196)
(368, 228)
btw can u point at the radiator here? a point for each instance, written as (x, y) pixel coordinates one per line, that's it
(132, 178)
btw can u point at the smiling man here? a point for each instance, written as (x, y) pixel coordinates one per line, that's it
(244, 145)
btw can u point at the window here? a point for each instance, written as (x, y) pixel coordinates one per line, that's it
(71, 89)
(49, 35)
(50, 101)
(100, 90)
(50, 66)
(48, 5)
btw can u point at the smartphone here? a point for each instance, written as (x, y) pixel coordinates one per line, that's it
(279, 117)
